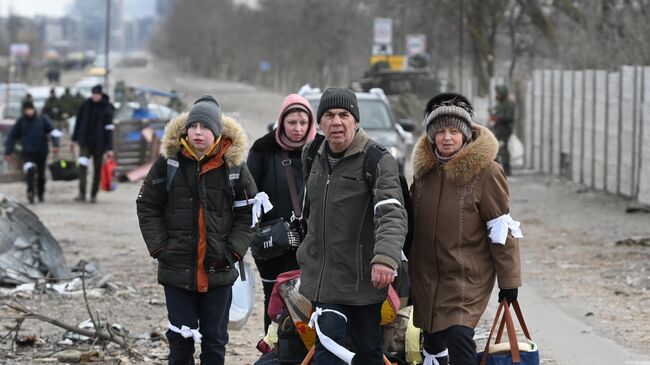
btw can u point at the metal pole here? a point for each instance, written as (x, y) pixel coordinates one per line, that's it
(606, 157)
(8, 91)
(107, 43)
(461, 26)
(541, 125)
(551, 128)
(561, 118)
(572, 130)
(582, 127)
(619, 143)
(593, 128)
(634, 133)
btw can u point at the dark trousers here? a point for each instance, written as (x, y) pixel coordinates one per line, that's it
(97, 158)
(269, 271)
(459, 340)
(363, 328)
(206, 311)
(503, 156)
(35, 173)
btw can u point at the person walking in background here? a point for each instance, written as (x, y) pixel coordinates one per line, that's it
(93, 132)
(67, 104)
(464, 236)
(51, 108)
(33, 131)
(196, 222)
(267, 159)
(503, 118)
(354, 238)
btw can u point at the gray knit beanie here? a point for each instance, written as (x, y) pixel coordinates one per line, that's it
(206, 111)
(449, 111)
(338, 98)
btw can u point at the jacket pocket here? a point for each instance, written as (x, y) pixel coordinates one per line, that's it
(215, 254)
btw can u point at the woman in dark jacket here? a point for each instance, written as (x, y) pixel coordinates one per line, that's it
(295, 127)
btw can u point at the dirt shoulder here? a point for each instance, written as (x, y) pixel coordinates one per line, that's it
(571, 256)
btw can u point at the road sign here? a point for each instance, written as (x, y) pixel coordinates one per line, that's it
(416, 44)
(382, 49)
(19, 49)
(265, 66)
(383, 31)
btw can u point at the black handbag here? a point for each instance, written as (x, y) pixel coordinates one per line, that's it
(65, 170)
(274, 237)
(271, 239)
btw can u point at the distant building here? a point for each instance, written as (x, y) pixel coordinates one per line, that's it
(164, 8)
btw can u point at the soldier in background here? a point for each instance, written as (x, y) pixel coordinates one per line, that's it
(51, 108)
(67, 104)
(503, 117)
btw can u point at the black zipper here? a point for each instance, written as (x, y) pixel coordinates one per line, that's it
(196, 233)
(322, 266)
(327, 183)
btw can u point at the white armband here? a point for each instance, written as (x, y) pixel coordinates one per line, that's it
(498, 229)
(56, 133)
(386, 201)
(260, 204)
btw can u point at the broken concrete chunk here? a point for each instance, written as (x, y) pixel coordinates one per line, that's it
(69, 356)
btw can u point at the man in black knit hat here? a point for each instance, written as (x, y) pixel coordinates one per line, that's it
(355, 235)
(93, 132)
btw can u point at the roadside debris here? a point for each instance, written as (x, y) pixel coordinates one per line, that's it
(28, 251)
(636, 207)
(634, 241)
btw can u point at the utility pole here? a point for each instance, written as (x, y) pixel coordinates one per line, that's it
(461, 30)
(107, 43)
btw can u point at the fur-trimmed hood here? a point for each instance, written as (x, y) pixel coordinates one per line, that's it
(466, 164)
(175, 129)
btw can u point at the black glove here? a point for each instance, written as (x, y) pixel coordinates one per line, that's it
(510, 295)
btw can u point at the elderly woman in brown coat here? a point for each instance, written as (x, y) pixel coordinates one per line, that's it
(464, 236)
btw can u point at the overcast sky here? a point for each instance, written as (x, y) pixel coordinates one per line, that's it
(57, 8)
(30, 8)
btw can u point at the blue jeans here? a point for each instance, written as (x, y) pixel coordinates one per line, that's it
(206, 311)
(363, 327)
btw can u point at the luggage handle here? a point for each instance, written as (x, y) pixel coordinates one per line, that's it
(512, 336)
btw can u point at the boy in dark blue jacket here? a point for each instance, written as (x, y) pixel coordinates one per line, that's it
(32, 130)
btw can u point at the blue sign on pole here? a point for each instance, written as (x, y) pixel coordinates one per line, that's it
(265, 66)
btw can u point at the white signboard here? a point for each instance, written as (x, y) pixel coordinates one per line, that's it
(382, 49)
(416, 44)
(19, 49)
(383, 31)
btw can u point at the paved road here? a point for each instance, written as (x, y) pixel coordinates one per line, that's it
(564, 339)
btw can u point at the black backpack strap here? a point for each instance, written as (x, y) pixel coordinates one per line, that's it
(373, 155)
(172, 167)
(311, 154)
